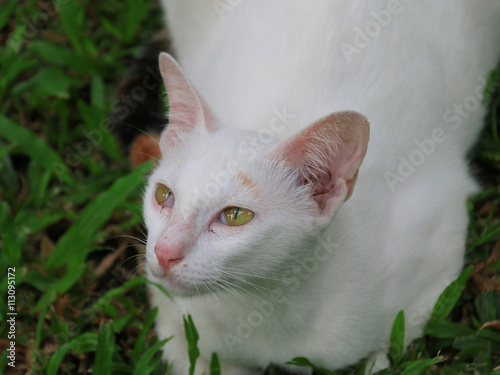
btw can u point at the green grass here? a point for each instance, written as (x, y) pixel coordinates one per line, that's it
(71, 208)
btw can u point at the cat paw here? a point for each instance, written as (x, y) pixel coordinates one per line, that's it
(296, 370)
(232, 370)
(180, 367)
(377, 361)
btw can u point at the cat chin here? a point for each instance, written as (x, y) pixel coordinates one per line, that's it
(187, 292)
(182, 292)
(177, 289)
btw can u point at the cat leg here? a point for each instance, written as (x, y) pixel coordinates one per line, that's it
(233, 370)
(377, 361)
(175, 353)
(296, 370)
(180, 366)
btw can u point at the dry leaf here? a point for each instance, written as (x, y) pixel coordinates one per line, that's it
(47, 245)
(61, 304)
(109, 260)
(495, 253)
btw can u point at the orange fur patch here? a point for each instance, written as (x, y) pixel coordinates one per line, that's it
(247, 182)
(144, 148)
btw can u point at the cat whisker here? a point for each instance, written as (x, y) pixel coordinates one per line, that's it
(148, 155)
(254, 285)
(260, 298)
(136, 271)
(255, 275)
(143, 232)
(227, 286)
(141, 240)
(141, 249)
(262, 289)
(134, 257)
(140, 130)
(265, 279)
(211, 291)
(137, 247)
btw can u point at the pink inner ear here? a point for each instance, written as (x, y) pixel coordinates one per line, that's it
(187, 109)
(208, 114)
(328, 154)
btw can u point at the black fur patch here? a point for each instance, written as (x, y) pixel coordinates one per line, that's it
(140, 100)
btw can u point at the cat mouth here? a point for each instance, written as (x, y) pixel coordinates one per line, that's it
(174, 287)
(178, 284)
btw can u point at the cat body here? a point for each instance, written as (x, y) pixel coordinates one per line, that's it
(308, 276)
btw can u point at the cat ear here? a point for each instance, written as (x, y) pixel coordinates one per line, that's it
(187, 109)
(327, 156)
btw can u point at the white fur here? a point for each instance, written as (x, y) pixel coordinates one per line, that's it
(392, 246)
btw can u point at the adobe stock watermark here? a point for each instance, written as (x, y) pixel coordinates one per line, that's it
(453, 119)
(11, 317)
(222, 7)
(371, 30)
(249, 148)
(33, 26)
(265, 308)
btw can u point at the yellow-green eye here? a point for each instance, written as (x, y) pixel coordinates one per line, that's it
(236, 216)
(164, 195)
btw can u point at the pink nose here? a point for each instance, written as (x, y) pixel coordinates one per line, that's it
(167, 256)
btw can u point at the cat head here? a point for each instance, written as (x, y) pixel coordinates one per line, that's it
(219, 216)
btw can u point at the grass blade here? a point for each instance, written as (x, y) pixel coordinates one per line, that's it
(446, 329)
(192, 341)
(417, 368)
(80, 236)
(301, 362)
(61, 56)
(214, 365)
(450, 296)
(139, 344)
(30, 144)
(11, 253)
(304, 362)
(142, 367)
(97, 131)
(84, 343)
(3, 360)
(39, 328)
(72, 17)
(77, 242)
(97, 92)
(104, 351)
(106, 299)
(396, 348)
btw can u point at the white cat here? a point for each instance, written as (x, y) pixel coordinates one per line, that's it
(247, 226)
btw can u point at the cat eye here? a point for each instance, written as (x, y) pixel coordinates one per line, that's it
(234, 216)
(164, 195)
